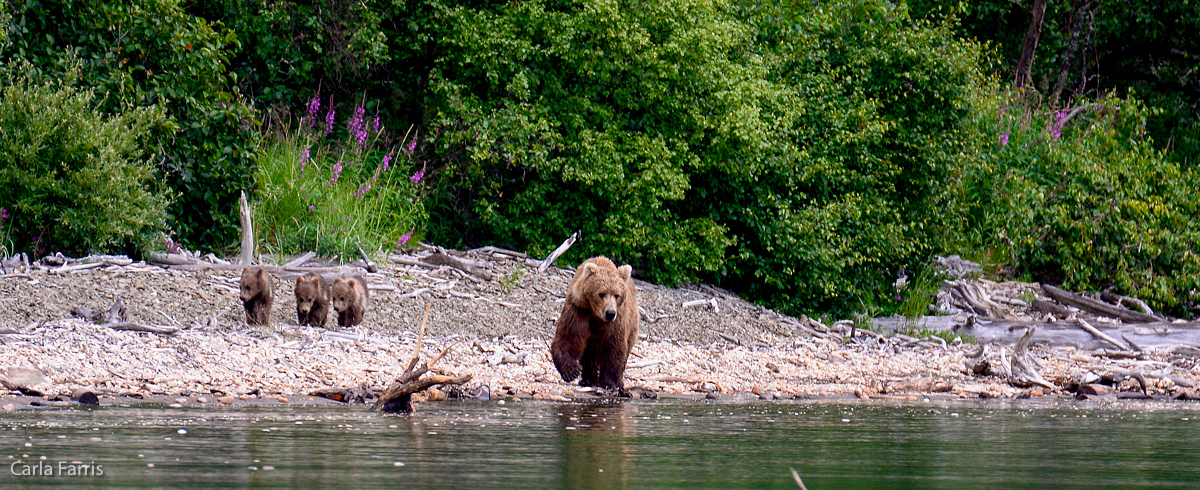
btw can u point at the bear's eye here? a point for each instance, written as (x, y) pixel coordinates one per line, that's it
(602, 295)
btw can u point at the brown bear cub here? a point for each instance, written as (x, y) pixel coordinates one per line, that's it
(257, 294)
(312, 299)
(350, 300)
(598, 325)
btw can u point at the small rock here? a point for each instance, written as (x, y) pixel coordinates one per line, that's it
(85, 396)
(201, 399)
(181, 400)
(228, 400)
(9, 407)
(282, 399)
(175, 405)
(1095, 389)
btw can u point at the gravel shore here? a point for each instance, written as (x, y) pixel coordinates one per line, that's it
(499, 332)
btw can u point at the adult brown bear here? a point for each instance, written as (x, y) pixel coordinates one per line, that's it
(598, 325)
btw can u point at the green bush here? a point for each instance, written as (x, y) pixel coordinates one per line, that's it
(1083, 198)
(155, 54)
(321, 191)
(72, 179)
(799, 154)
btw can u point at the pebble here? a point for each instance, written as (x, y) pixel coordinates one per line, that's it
(282, 399)
(175, 405)
(228, 400)
(8, 407)
(201, 399)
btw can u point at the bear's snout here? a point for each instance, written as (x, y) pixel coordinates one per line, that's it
(610, 315)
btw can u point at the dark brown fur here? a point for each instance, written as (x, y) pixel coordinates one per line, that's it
(257, 295)
(598, 325)
(350, 300)
(312, 299)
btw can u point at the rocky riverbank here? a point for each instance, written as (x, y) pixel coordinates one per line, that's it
(497, 320)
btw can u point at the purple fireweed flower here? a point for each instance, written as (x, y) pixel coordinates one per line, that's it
(417, 177)
(404, 239)
(4, 213)
(337, 170)
(329, 115)
(310, 118)
(386, 160)
(375, 124)
(310, 208)
(411, 146)
(1004, 139)
(304, 158)
(1060, 118)
(356, 127)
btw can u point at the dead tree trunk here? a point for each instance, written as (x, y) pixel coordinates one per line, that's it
(1025, 63)
(1079, 8)
(247, 257)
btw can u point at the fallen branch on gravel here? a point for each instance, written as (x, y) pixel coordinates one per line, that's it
(439, 259)
(557, 252)
(1098, 307)
(398, 397)
(1100, 335)
(115, 318)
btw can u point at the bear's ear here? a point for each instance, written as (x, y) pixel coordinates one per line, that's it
(587, 270)
(625, 271)
(262, 274)
(338, 280)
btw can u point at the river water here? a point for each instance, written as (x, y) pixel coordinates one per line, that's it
(642, 444)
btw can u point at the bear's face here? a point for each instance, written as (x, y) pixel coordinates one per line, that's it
(254, 282)
(306, 293)
(605, 289)
(342, 293)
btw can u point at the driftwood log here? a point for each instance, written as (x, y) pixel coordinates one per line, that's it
(115, 318)
(557, 252)
(975, 298)
(1023, 369)
(398, 397)
(1098, 307)
(244, 215)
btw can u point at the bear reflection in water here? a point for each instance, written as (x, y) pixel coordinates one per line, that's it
(594, 450)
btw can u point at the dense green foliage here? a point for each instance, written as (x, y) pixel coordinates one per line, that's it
(1147, 46)
(72, 179)
(803, 154)
(333, 195)
(1085, 199)
(153, 54)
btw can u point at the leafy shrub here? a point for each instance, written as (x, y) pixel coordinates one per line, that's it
(71, 178)
(800, 154)
(1082, 197)
(154, 54)
(331, 194)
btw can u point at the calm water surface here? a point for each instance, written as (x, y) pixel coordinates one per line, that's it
(668, 443)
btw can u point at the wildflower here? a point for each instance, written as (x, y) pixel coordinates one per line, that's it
(1060, 119)
(897, 297)
(4, 213)
(417, 177)
(386, 160)
(329, 117)
(1004, 139)
(310, 208)
(403, 239)
(304, 158)
(411, 146)
(375, 124)
(310, 119)
(356, 127)
(337, 170)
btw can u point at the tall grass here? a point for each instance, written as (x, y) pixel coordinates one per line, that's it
(330, 189)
